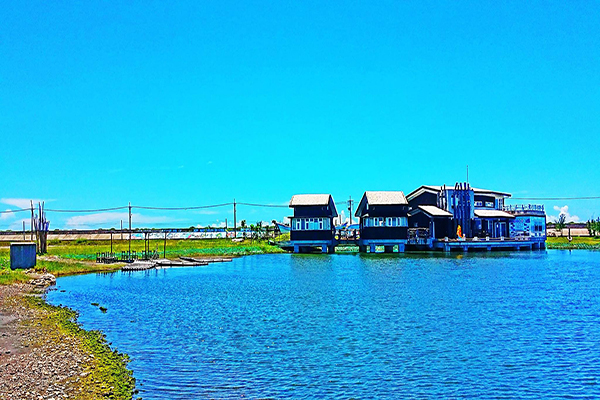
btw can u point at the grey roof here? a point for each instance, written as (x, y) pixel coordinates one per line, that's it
(492, 214)
(310, 200)
(435, 211)
(380, 198)
(385, 198)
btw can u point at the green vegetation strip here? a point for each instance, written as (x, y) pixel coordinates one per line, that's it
(8, 276)
(573, 246)
(111, 366)
(576, 243)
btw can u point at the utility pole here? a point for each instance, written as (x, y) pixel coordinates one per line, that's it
(350, 204)
(234, 221)
(129, 227)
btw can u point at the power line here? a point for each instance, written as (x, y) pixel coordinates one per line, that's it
(88, 211)
(556, 198)
(152, 208)
(254, 205)
(183, 208)
(15, 211)
(264, 205)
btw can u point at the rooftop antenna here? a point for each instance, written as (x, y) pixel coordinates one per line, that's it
(467, 173)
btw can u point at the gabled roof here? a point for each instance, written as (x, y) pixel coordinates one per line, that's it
(424, 189)
(431, 211)
(381, 198)
(386, 198)
(310, 200)
(492, 214)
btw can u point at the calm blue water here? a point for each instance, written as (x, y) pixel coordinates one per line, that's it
(520, 325)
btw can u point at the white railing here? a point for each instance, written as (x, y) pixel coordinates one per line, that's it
(522, 208)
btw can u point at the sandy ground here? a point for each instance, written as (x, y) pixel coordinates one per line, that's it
(36, 361)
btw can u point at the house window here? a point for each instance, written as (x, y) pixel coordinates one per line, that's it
(479, 204)
(403, 221)
(321, 224)
(489, 204)
(389, 221)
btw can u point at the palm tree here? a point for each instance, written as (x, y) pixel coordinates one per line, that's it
(243, 226)
(560, 223)
(259, 229)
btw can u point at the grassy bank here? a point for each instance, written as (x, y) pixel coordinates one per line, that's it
(78, 257)
(83, 249)
(583, 243)
(107, 376)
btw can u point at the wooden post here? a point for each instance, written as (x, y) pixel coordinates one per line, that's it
(111, 242)
(165, 247)
(31, 225)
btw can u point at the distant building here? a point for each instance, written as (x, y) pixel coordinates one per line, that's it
(312, 223)
(383, 220)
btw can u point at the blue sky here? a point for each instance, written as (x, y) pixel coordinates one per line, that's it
(198, 103)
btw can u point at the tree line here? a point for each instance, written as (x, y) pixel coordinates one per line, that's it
(593, 226)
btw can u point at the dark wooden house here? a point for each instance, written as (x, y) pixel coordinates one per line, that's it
(429, 212)
(438, 222)
(383, 220)
(441, 209)
(312, 223)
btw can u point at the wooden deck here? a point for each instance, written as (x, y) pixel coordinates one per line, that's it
(488, 245)
(165, 263)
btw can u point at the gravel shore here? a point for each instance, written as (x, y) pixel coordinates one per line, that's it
(38, 360)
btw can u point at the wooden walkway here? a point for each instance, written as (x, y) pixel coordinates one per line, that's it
(164, 263)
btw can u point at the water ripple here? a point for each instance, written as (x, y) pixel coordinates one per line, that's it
(524, 325)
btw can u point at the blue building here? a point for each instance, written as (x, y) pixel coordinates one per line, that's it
(312, 224)
(437, 212)
(383, 221)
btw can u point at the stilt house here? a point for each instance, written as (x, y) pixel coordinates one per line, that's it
(383, 220)
(312, 223)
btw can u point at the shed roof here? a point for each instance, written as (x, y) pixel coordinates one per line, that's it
(434, 211)
(492, 214)
(310, 200)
